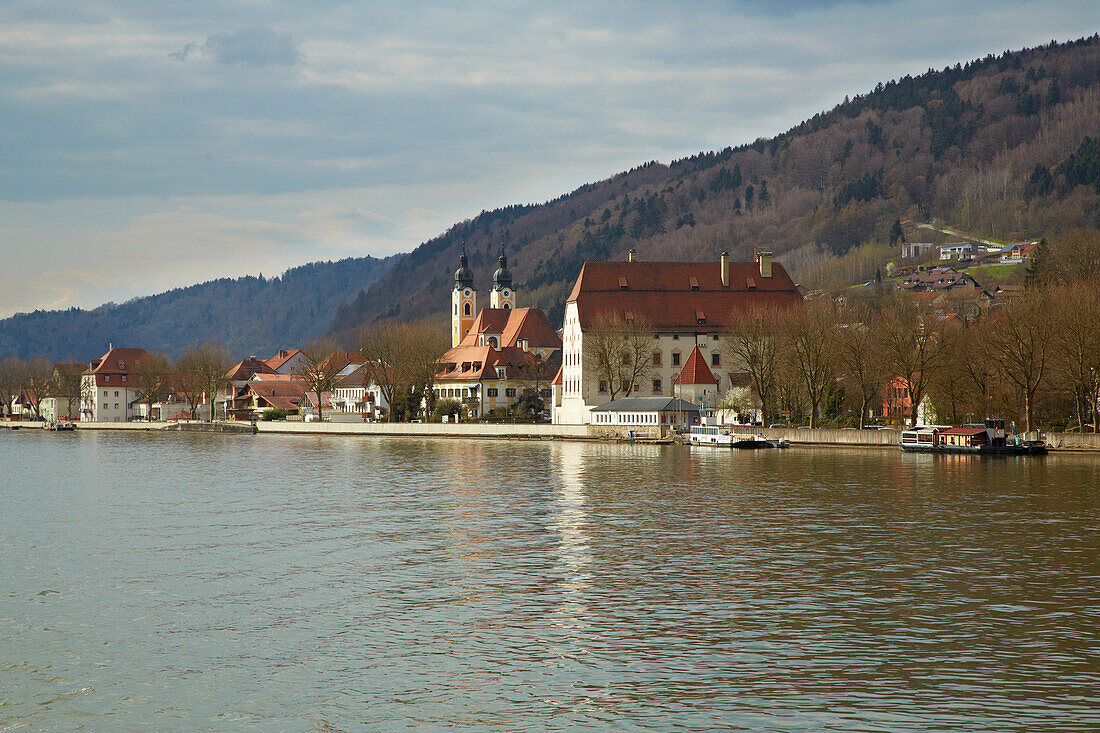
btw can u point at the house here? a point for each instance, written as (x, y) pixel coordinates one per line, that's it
(63, 402)
(286, 361)
(356, 392)
(897, 407)
(499, 352)
(278, 391)
(684, 305)
(108, 389)
(911, 250)
(938, 278)
(646, 412)
(957, 251)
(1019, 252)
(233, 401)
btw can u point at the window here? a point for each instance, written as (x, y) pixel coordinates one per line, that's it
(700, 317)
(465, 309)
(116, 393)
(656, 386)
(123, 377)
(510, 392)
(694, 285)
(121, 365)
(656, 358)
(492, 391)
(105, 394)
(106, 378)
(104, 405)
(715, 359)
(675, 358)
(603, 387)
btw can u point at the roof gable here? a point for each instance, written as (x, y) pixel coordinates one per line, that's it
(695, 370)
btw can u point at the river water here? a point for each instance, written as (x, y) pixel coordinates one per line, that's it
(205, 582)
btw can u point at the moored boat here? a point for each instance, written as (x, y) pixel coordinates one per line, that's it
(987, 439)
(711, 433)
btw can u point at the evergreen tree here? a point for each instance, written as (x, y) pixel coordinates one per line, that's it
(749, 191)
(896, 233)
(763, 194)
(737, 206)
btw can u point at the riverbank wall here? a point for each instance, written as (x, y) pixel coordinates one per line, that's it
(504, 431)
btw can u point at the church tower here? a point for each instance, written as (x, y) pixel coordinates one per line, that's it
(503, 295)
(463, 300)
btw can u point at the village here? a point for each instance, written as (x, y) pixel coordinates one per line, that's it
(648, 348)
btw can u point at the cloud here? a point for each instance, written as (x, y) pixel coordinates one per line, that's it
(256, 46)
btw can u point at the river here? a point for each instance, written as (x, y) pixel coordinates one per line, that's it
(207, 582)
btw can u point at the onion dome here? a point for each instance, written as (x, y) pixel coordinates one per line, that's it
(463, 277)
(502, 278)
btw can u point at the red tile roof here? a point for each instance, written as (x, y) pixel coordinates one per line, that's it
(247, 368)
(118, 361)
(514, 324)
(663, 295)
(281, 358)
(695, 370)
(558, 379)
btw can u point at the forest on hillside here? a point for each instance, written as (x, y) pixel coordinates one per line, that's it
(249, 315)
(1005, 146)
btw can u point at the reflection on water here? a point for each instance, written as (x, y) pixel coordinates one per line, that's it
(193, 582)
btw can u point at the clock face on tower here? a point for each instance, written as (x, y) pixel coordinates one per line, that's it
(506, 293)
(466, 292)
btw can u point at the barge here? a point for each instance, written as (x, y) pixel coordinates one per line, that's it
(989, 439)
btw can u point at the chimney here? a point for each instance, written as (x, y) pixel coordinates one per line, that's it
(765, 259)
(725, 269)
(632, 255)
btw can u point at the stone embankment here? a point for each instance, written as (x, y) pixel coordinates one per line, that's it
(795, 436)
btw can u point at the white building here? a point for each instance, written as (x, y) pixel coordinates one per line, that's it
(108, 389)
(686, 305)
(957, 251)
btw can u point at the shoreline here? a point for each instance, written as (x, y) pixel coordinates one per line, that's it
(818, 437)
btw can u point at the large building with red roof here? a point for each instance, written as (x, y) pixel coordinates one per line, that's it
(686, 306)
(108, 389)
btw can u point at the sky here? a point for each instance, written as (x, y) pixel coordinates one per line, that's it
(151, 145)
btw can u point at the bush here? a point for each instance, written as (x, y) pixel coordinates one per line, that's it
(274, 413)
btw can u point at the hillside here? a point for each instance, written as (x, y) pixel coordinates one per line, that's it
(999, 145)
(250, 315)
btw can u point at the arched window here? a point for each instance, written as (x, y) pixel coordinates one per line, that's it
(506, 306)
(466, 309)
(493, 341)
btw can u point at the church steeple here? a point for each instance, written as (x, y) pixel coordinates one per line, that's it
(463, 300)
(503, 295)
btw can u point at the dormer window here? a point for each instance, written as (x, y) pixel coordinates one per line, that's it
(694, 285)
(700, 317)
(750, 284)
(623, 285)
(500, 372)
(106, 378)
(122, 365)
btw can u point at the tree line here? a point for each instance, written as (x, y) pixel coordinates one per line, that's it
(1036, 359)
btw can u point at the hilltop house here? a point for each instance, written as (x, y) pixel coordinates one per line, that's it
(685, 305)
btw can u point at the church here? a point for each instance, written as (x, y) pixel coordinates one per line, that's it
(496, 352)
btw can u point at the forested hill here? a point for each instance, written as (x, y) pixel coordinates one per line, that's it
(1006, 146)
(250, 315)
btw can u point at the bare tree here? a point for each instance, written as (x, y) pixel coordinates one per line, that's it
(811, 336)
(754, 345)
(1021, 341)
(427, 342)
(382, 344)
(11, 368)
(910, 341)
(37, 380)
(402, 359)
(862, 365)
(201, 372)
(620, 350)
(318, 368)
(152, 378)
(68, 384)
(1076, 315)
